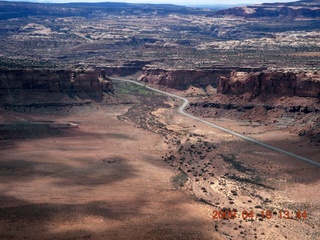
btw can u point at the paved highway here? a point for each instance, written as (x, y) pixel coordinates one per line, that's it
(185, 104)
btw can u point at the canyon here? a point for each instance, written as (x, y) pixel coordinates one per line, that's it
(229, 81)
(237, 92)
(87, 156)
(264, 96)
(237, 81)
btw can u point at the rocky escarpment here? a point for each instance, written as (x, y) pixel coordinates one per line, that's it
(297, 115)
(300, 9)
(268, 82)
(285, 100)
(182, 79)
(238, 81)
(125, 69)
(23, 85)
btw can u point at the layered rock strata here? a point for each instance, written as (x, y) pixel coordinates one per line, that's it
(268, 82)
(182, 79)
(300, 9)
(21, 82)
(125, 69)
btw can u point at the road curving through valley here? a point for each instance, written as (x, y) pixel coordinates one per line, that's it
(246, 138)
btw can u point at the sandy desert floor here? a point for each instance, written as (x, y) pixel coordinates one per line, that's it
(141, 171)
(102, 180)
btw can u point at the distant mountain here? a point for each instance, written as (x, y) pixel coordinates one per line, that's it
(214, 6)
(26, 9)
(291, 10)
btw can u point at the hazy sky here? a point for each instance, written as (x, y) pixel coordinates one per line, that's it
(180, 2)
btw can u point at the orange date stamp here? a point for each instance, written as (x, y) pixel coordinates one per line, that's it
(262, 214)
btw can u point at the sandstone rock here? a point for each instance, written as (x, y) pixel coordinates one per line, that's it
(267, 82)
(33, 79)
(125, 69)
(106, 84)
(307, 88)
(86, 81)
(16, 83)
(300, 9)
(182, 79)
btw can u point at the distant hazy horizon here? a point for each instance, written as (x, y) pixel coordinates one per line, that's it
(177, 2)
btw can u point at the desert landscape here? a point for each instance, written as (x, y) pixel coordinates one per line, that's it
(92, 149)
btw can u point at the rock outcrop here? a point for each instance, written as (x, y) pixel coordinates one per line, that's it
(267, 82)
(237, 81)
(300, 9)
(182, 79)
(125, 69)
(21, 82)
(106, 84)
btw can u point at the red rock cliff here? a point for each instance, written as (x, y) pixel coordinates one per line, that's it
(182, 79)
(15, 82)
(266, 82)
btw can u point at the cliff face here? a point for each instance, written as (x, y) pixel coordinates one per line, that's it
(37, 80)
(280, 12)
(300, 9)
(21, 82)
(182, 79)
(265, 82)
(125, 69)
(237, 81)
